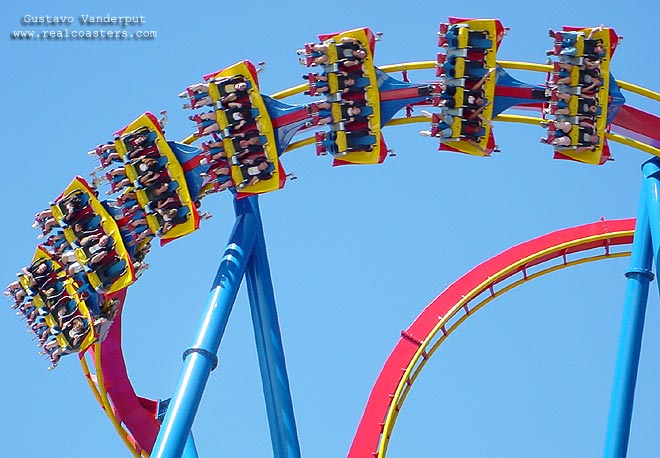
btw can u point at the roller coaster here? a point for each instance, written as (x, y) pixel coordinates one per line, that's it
(92, 249)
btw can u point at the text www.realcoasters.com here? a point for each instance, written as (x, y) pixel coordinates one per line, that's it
(83, 27)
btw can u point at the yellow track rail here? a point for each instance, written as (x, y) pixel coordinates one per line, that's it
(441, 331)
(101, 395)
(426, 65)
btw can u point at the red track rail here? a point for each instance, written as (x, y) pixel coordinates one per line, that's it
(366, 441)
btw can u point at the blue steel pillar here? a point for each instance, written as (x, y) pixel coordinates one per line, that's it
(200, 359)
(651, 190)
(275, 382)
(190, 450)
(634, 311)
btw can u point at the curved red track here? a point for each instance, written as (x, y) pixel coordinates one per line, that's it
(368, 435)
(137, 414)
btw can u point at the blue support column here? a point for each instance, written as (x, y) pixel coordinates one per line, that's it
(651, 190)
(190, 450)
(275, 382)
(200, 359)
(632, 326)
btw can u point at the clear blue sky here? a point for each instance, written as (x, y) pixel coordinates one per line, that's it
(356, 252)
